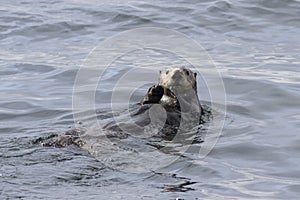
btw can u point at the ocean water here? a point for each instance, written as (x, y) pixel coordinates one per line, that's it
(253, 45)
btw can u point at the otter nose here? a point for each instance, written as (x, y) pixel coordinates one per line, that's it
(176, 75)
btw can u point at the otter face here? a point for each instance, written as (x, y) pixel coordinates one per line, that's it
(178, 79)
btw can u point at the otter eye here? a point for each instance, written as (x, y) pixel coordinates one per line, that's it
(167, 71)
(187, 72)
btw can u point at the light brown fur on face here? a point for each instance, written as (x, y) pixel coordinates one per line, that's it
(178, 79)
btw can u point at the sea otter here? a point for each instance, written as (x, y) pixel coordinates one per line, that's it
(170, 106)
(183, 83)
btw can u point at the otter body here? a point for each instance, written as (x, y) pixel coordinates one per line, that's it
(170, 105)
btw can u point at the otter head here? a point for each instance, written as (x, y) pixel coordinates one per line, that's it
(178, 79)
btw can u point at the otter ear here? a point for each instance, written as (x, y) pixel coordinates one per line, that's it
(159, 71)
(195, 74)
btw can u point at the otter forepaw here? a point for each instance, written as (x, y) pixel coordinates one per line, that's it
(154, 95)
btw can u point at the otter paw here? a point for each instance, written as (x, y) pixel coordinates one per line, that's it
(154, 95)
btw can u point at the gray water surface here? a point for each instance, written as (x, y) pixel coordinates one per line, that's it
(255, 46)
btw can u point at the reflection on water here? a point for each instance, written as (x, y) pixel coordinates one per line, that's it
(254, 45)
